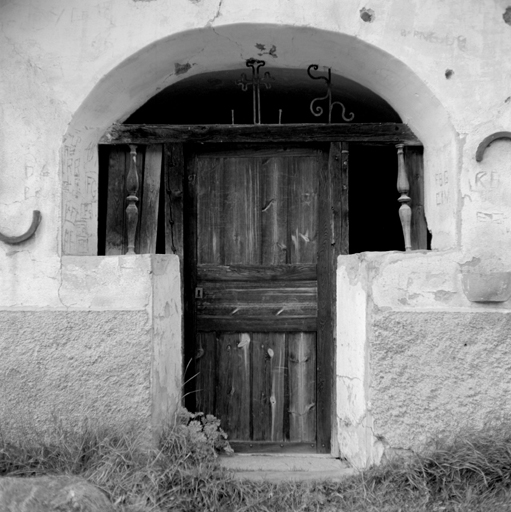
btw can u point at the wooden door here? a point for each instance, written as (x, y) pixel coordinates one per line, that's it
(259, 274)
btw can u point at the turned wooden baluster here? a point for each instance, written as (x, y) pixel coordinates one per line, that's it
(403, 187)
(131, 209)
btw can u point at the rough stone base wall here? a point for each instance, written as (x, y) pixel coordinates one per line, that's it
(433, 373)
(73, 366)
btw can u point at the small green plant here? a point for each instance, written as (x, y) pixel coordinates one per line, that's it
(204, 434)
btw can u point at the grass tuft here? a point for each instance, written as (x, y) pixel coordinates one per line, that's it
(470, 473)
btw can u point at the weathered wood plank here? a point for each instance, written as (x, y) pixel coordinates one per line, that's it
(241, 240)
(115, 210)
(268, 150)
(325, 334)
(356, 132)
(269, 447)
(339, 172)
(303, 209)
(335, 168)
(247, 310)
(268, 384)
(206, 368)
(233, 384)
(341, 190)
(174, 169)
(298, 272)
(256, 324)
(150, 200)
(414, 165)
(278, 295)
(255, 288)
(273, 208)
(302, 386)
(210, 201)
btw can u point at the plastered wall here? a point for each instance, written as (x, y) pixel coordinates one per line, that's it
(417, 358)
(110, 355)
(72, 68)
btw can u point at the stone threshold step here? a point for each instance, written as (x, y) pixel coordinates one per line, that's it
(283, 467)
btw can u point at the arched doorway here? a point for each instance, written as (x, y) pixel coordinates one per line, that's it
(258, 215)
(132, 82)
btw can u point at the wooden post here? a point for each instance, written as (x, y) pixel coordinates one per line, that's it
(403, 187)
(131, 209)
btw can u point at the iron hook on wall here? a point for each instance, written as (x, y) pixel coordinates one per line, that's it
(487, 141)
(36, 219)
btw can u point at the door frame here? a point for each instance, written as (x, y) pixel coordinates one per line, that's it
(334, 179)
(333, 239)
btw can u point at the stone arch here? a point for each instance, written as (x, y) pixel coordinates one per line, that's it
(132, 82)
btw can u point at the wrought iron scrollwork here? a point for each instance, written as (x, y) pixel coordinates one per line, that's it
(317, 110)
(256, 83)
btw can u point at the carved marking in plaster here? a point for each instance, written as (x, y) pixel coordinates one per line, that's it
(494, 217)
(105, 11)
(442, 193)
(80, 194)
(431, 37)
(79, 15)
(442, 178)
(89, 151)
(485, 184)
(442, 197)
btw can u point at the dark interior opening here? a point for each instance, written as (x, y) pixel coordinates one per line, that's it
(210, 98)
(373, 199)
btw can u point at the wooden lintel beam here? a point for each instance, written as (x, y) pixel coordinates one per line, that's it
(396, 133)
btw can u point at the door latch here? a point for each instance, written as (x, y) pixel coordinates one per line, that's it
(199, 293)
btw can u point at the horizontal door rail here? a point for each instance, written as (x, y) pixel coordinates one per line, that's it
(290, 272)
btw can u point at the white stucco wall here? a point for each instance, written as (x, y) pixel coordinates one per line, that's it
(110, 354)
(416, 357)
(71, 68)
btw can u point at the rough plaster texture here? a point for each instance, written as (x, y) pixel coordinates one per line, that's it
(416, 359)
(112, 357)
(433, 373)
(74, 365)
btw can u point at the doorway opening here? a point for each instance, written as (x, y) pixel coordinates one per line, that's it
(258, 225)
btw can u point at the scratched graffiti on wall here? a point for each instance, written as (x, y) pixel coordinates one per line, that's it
(442, 193)
(459, 41)
(80, 190)
(486, 184)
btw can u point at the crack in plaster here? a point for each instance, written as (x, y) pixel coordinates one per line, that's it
(349, 378)
(230, 40)
(218, 13)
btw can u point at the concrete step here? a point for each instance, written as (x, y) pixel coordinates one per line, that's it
(282, 467)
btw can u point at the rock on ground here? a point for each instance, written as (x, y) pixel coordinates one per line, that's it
(51, 494)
